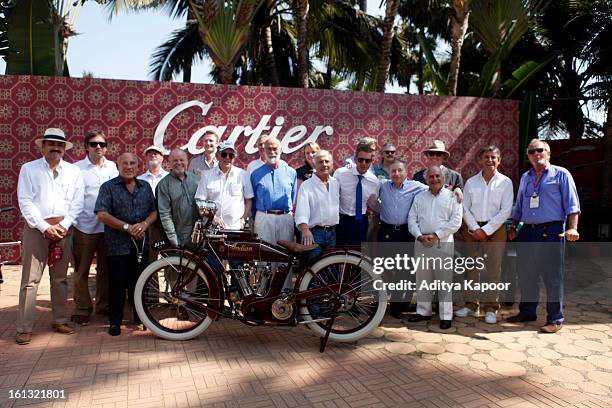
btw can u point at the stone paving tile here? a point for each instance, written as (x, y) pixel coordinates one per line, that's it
(398, 365)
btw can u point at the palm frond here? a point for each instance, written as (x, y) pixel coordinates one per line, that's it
(179, 51)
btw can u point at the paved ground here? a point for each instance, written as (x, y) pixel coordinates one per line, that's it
(233, 365)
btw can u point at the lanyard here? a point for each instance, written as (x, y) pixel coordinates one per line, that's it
(536, 183)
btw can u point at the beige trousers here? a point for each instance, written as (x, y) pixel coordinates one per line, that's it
(85, 246)
(34, 253)
(494, 249)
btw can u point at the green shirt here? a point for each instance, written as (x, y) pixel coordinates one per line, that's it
(176, 205)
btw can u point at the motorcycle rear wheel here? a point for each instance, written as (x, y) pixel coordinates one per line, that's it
(363, 306)
(165, 315)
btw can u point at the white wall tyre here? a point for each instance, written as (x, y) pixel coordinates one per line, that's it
(163, 314)
(362, 313)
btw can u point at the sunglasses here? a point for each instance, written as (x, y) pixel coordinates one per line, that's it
(96, 144)
(534, 151)
(364, 160)
(389, 151)
(436, 154)
(225, 154)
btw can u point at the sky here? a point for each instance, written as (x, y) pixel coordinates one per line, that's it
(121, 48)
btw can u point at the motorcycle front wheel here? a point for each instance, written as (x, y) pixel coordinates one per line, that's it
(362, 307)
(164, 314)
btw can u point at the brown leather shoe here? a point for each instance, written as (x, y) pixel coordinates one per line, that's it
(551, 328)
(62, 328)
(80, 319)
(23, 338)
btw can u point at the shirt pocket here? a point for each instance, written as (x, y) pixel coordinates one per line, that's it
(235, 189)
(213, 191)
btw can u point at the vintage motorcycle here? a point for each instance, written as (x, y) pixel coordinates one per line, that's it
(178, 296)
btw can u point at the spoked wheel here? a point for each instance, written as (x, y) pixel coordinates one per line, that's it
(164, 314)
(361, 307)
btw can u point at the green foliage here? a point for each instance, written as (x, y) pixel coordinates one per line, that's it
(34, 42)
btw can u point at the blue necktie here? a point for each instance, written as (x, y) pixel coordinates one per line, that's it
(358, 194)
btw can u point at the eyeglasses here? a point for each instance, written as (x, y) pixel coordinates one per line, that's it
(225, 154)
(96, 144)
(435, 154)
(389, 152)
(534, 151)
(364, 160)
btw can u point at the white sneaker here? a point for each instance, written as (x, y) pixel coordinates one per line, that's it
(491, 317)
(464, 312)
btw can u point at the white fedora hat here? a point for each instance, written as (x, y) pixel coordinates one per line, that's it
(54, 135)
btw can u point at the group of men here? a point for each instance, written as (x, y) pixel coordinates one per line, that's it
(95, 207)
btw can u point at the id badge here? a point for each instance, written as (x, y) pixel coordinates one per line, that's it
(534, 202)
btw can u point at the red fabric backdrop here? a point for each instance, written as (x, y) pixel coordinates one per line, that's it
(130, 111)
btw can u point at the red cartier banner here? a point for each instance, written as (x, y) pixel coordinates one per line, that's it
(130, 112)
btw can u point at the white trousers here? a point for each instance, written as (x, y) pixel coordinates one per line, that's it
(273, 228)
(431, 275)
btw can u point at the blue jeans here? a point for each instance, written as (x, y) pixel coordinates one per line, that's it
(325, 239)
(544, 258)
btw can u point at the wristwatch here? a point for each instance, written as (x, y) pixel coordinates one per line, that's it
(126, 226)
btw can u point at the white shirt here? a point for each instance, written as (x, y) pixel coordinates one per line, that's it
(254, 165)
(316, 205)
(41, 196)
(152, 179)
(228, 192)
(93, 177)
(198, 165)
(491, 203)
(347, 178)
(440, 215)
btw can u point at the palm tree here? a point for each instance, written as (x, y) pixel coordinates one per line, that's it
(224, 29)
(384, 59)
(301, 16)
(459, 25)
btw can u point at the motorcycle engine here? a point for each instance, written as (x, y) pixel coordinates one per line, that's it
(254, 277)
(282, 309)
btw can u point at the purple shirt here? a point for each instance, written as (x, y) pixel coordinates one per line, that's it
(557, 194)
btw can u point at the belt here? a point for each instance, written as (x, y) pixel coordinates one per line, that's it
(398, 227)
(482, 223)
(276, 212)
(325, 227)
(543, 225)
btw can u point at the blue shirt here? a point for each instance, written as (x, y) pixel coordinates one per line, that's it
(557, 194)
(380, 172)
(115, 199)
(274, 189)
(395, 202)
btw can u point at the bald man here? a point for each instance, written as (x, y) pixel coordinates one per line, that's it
(126, 207)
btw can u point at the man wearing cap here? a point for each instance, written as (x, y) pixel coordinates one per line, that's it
(548, 206)
(274, 185)
(155, 172)
(436, 155)
(487, 206)
(229, 187)
(382, 170)
(88, 241)
(126, 207)
(357, 185)
(50, 195)
(318, 204)
(205, 161)
(175, 200)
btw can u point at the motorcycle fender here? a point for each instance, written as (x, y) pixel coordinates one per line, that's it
(215, 286)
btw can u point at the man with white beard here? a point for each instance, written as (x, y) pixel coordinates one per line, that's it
(274, 185)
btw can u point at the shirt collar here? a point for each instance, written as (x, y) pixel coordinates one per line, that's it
(368, 174)
(549, 168)
(90, 163)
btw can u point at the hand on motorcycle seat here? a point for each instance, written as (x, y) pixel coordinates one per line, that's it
(295, 247)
